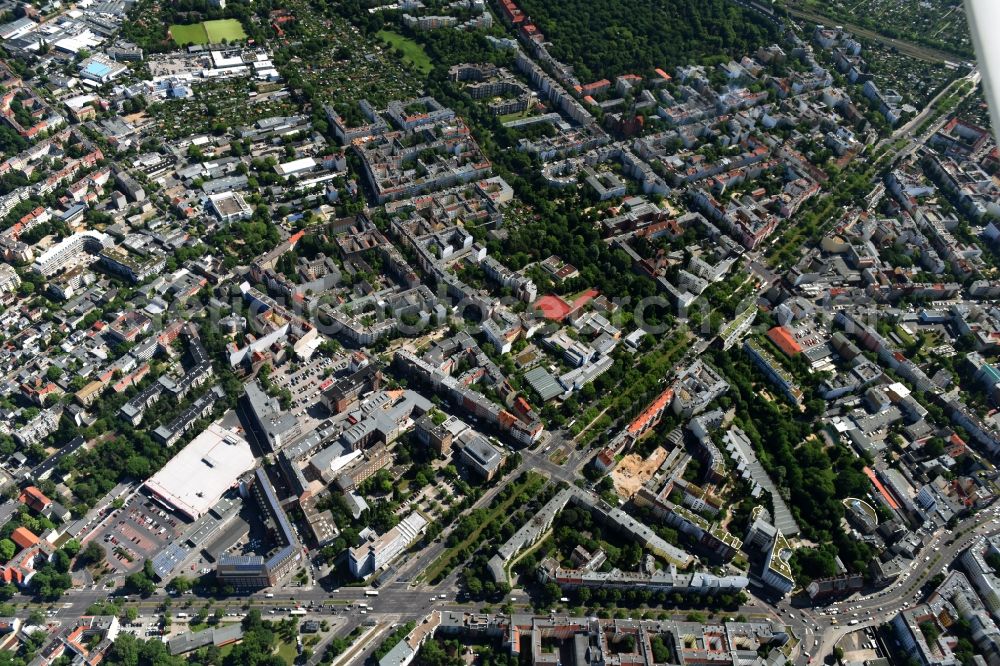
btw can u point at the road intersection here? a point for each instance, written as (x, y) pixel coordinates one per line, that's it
(403, 597)
(828, 625)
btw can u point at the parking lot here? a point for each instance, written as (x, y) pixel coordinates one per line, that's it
(179, 65)
(306, 384)
(136, 532)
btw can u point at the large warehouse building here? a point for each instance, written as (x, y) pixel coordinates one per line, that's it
(195, 479)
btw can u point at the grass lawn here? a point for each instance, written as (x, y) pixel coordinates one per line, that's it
(189, 34)
(229, 29)
(208, 32)
(288, 652)
(506, 118)
(413, 53)
(904, 336)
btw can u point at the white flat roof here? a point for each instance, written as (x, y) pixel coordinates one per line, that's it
(899, 389)
(295, 166)
(195, 479)
(220, 60)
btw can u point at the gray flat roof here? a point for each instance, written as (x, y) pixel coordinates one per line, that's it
(543, 382)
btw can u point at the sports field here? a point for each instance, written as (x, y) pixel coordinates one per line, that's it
(208, 32)
(413, 52)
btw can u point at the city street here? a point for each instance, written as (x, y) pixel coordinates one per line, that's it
(879, 607)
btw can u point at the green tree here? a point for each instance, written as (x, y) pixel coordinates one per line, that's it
(93, 553)
(72, 547)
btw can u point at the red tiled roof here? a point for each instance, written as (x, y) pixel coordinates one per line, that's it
(653, 411)
(35, 498)
(780, 336)
(24, 537)
(890, 500)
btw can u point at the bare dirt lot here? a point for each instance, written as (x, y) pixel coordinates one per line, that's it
(633, 471)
